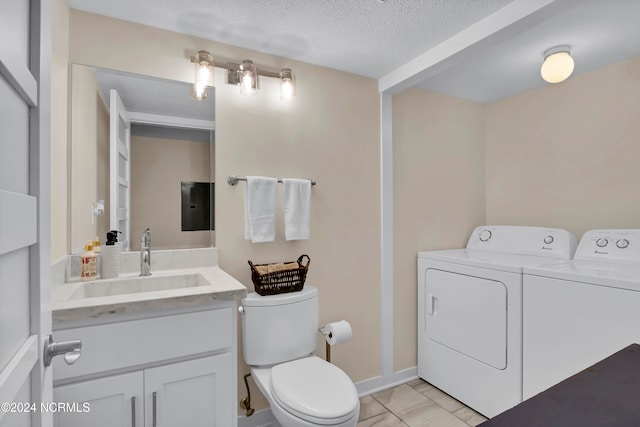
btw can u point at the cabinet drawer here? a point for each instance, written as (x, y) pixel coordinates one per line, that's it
(141, 342)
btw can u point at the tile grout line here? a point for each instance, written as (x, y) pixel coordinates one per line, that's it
(428, 398)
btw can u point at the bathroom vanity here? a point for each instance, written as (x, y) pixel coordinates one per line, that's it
(156, 351)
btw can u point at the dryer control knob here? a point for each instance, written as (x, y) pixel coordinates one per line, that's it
(548, 240)
(485, 235)
(622, 243)
(602, 242)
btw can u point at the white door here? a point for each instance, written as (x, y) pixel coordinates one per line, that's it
(119, 168)
(194, 393)
(25, 291)
(468, 315)
(111, 401)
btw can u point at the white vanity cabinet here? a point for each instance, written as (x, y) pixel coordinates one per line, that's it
(116, 400)
(162, 368)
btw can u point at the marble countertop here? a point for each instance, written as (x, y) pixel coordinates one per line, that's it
(70, 303)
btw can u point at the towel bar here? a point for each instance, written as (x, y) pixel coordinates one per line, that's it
(233, 180)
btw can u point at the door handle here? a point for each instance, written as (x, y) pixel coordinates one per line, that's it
(70, 349)
(154, 408)
(431, 304)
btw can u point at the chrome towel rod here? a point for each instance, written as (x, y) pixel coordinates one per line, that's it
(233, 180)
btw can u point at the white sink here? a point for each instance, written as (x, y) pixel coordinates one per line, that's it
(120, 286)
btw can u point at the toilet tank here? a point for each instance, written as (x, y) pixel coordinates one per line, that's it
(279, 328)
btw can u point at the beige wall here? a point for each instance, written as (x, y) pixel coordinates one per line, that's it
(330, 133)
(59, 108)
(158, 167)
(438, 156)
(567, 155)
(89, 135)
(560, 156)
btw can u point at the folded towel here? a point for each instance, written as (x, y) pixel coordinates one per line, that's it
(296, 198)
(260, 209)
(271, 268)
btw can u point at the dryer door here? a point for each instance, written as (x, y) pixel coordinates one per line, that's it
(467, 314)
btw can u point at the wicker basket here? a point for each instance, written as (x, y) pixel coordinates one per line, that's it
(280, 282)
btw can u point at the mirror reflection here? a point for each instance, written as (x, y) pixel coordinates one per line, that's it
(162, 177)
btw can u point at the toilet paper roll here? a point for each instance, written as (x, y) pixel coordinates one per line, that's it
(338, 332)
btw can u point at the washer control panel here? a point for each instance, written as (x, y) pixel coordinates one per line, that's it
(540, 241)
(616, 245)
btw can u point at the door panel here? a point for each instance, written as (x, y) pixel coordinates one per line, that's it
(25, 314)
(14, 303)
(468, 314)
(119, 165)
(14, 131)
(14, 20)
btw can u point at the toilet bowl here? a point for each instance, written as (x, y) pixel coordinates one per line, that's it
(279, 333)
(309, 392)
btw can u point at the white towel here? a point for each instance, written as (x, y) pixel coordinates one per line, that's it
(260, 209)
(296, 198)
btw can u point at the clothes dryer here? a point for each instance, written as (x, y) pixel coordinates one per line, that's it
(579, 312)
(470, 312)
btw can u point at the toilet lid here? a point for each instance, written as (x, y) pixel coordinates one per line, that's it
(314, 390)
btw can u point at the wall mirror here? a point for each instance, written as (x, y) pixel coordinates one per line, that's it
(163, 179)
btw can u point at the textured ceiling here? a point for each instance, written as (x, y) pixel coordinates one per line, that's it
(599, 32)
(366, 37)
(373, 38)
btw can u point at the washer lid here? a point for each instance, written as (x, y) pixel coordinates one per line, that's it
(314, 390)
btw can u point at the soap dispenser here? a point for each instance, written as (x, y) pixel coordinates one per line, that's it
(88, 263)
(110, 253)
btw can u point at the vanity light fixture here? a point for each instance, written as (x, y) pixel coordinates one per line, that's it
(245, 75)
(287, 84)
(204, 75)
(248, 74)
(204, 68)
(558, 64)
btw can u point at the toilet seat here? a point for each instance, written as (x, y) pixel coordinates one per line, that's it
(314, 390)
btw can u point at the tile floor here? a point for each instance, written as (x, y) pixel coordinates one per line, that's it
(415, 404)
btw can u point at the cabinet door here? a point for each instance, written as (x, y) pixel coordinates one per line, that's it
(112, 402)
(196, 393)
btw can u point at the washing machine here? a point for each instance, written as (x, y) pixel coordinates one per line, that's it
(470, 312)
(579, 312)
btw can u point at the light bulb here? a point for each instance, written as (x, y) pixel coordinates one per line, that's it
(287, 90)
(249, 81)
(204, 68)
(199, 91)
(287, 84)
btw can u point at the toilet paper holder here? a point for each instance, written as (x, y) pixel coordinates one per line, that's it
(342, 334)
(326, 334)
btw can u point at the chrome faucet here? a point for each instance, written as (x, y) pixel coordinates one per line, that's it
(145, 253)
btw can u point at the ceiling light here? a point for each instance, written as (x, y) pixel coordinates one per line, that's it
(287, 84)
(558, 64)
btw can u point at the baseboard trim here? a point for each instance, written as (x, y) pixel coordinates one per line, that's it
(264, 417)
(376, 384)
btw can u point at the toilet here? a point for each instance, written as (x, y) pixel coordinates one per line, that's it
(279, 335)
